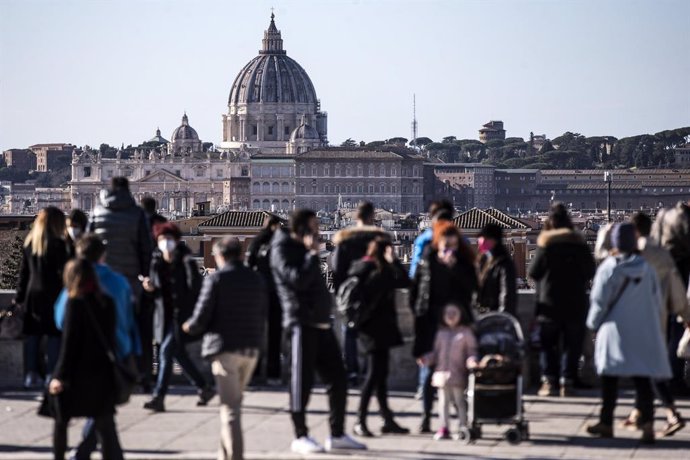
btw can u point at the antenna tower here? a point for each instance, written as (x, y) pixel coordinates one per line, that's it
(414, 121)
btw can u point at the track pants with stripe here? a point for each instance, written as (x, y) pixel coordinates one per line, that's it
(314, 350)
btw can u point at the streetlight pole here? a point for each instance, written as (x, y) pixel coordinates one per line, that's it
(608, 178)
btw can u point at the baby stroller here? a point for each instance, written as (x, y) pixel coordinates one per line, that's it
(494, 389)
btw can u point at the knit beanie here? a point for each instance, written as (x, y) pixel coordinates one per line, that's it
(623, 237)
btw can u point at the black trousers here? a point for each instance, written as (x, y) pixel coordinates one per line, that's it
(376, 379)
(275, 338)
(106, 434)
(561, 362)
(644, 398)
(313, 351)
(144, 317)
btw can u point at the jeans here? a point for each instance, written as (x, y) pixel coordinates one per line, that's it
(428, 391)
(35, 360)
(376, 379)
(171, 349)
(232, 372)
(351, 353)
(106, 433)
(643, 396)
(571, 334)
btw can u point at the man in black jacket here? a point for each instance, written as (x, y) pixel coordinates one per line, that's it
(563, 267)
(350, 246)
(231, 313)
(497, 291)
(307, 307)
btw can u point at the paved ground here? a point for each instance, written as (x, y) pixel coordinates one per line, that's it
(189, 432)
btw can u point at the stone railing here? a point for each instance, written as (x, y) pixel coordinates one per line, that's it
(403, 369)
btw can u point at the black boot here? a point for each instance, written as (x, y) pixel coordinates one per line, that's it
(391, 427)
(361, 429)
(155, 404)
(425, 426)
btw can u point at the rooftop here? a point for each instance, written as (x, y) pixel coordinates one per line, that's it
(476, 219)
(238, 219)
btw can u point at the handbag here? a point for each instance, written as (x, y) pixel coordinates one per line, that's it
(11, 323)
(125, 376)
(439, 379)
(683, 351)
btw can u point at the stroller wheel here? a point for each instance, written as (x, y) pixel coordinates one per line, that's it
(524, 430)
(465, 435)
(513, 436)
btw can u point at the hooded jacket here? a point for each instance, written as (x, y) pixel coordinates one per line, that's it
(562, 267)
(351, 245)
(301, 288)
(125, 228)
(629, 342)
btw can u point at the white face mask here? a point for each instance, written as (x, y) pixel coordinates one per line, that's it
(74, 233)
(167, 245)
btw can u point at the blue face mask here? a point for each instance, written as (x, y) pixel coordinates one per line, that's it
(167, 245)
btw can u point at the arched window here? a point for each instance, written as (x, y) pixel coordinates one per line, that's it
(314, 172)
(371, 169)
(266, 205)
(256, 187)
(337, 170)
(302, 170)
(275, 188)
(266, 187)
(285, 187)
(285, 205)
(394, 170)
(348, 170)
(326, 189)
(360, 170)
(326, 169)
(256, 204)
(382, 170)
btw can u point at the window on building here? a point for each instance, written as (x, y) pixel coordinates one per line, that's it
(255, 130)
(326, 188)
(199, 172)
(245, 171)
(382, 170)
(270, 130)
(302, 170)
(337, 170)
(348, 170)
(313, 171)
(326, 169)
(371, 189)
(382, 188)
(109, 173)
(360, 188)
(360, 170)
(394, 189)
(178, 173)
(87, 171)
(371, 169)
(287, 130)
(302, 189)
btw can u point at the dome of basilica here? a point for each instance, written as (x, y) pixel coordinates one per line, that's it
(304, 131)
(272, 76)
(184, 131)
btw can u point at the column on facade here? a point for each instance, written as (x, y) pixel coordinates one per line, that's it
(281, 127)
(243, 128)
(260, 126)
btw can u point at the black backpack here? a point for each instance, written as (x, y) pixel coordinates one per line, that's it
(351, 301)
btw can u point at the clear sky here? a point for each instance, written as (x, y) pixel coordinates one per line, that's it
(95, 71)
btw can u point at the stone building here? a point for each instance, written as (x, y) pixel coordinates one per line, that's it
(273, 182)
(27, 198)
(467, 185)
(24, 159)
(50, 156)
(492, 130)
(270, 100)
(332, 178)
(681, 156)
(178, 174)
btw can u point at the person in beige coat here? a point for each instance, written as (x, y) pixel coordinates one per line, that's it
(674, 303)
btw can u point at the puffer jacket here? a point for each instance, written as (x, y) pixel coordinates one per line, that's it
(301, 288)
(671, 229)
(452, 348)
(231, 311)
(497, 287)
(125, 228)
(562, 267)
(351, 245)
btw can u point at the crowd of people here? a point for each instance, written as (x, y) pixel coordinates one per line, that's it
(120, 290)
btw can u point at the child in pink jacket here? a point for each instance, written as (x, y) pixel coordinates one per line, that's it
(455, 351)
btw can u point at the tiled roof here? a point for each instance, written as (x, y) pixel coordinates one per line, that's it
(475, 218)
(616, 172)
(237, 219)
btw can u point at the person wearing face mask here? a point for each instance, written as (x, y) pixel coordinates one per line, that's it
(174, 282)
(445, 275)
(76, 227)
(497, 291)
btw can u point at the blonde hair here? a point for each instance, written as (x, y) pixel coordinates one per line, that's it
(49, 223)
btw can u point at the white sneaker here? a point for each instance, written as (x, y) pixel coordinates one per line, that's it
(306, 445)
(344, 442)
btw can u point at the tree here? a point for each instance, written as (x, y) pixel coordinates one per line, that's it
(374, 144)
(546, 147)
(421, 141)
(12, 259)
(396, 141)
(349, 142)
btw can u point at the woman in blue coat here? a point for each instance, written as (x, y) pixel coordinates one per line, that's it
(624, 312)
